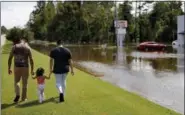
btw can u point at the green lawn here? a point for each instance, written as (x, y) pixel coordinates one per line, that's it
(86, 95)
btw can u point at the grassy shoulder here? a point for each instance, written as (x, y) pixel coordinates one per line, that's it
(86, 95)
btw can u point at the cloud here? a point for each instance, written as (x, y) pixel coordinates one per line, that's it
(16, 13)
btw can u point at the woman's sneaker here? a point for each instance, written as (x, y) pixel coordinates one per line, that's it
(16, 99)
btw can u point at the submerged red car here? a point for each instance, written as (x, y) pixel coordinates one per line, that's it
(151, 46)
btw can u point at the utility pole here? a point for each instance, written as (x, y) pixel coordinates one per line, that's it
(139, 21)
(135, 35)
(115, 19)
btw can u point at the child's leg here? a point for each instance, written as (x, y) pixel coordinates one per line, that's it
(40, 93)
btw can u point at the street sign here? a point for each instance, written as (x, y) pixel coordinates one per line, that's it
(121, 31)
(120, 24)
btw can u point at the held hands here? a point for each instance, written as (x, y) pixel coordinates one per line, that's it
(50, 75)
(72, 72)
(32, 72)
(9, 71)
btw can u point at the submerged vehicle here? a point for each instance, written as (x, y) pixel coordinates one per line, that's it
(151, 46)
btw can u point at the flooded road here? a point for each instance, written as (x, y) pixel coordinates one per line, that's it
(159, 77)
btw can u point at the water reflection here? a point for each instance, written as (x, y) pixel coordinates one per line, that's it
(156, 76)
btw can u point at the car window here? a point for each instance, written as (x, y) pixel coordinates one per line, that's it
(151, 43)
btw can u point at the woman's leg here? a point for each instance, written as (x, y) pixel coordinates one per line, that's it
(25, 74)
(17, 78)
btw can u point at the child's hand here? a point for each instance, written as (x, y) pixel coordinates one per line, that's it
(33, 77)
(49, 76)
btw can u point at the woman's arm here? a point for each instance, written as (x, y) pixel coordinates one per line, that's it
(47, 77)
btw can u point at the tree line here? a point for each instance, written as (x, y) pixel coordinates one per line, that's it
(93, 22)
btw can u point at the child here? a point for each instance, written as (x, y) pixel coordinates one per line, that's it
(41, 82)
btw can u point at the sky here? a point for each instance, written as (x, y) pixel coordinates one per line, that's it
(17, 13)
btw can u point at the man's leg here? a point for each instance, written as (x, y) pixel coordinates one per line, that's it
(58, 82)
(59, 86)
(64, 82)
(17, 78)
(25, 71)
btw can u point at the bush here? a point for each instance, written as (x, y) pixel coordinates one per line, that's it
(3, 30)
(18, 33)
(27, 35)
(14, 34)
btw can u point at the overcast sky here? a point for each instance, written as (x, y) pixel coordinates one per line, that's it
(17, 13)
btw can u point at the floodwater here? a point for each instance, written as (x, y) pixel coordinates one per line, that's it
(157, 76)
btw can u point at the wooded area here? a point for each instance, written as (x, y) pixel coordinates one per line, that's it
(92, 22)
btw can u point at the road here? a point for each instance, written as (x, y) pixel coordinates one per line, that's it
(3, 39)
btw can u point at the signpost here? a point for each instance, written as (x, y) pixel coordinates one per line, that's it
(120, 26)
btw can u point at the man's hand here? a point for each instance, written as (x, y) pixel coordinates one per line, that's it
(32, 72)
(49, 75)
(72, 72)
(51, 71)
(9, 71)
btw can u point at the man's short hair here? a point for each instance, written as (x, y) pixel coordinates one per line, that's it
(59, 42)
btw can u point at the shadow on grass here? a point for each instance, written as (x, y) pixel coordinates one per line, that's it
(5, 106)
(36, 103)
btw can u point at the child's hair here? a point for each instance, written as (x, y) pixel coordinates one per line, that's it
(40, 71)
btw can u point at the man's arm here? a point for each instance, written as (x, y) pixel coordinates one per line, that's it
(31, 61)
(51, 62)
(51, 65)
(71, 66)
(71, 63)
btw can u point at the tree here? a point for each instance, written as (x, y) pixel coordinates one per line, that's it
(14, 34)
(3, 30)
(125, 14)
(92, 21)
(38, 21)
(18, 33)
(163, 20)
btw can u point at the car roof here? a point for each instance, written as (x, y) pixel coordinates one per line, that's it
(148, 42)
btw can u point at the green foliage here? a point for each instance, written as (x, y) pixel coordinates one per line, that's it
(18, 33)
(13, 34)
(27, 34)
(92, 22)
(72, 22)
(3, 30)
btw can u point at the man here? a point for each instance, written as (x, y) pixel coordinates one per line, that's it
(62, 60)
(21, 54)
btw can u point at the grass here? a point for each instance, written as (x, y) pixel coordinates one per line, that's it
(86, 95)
